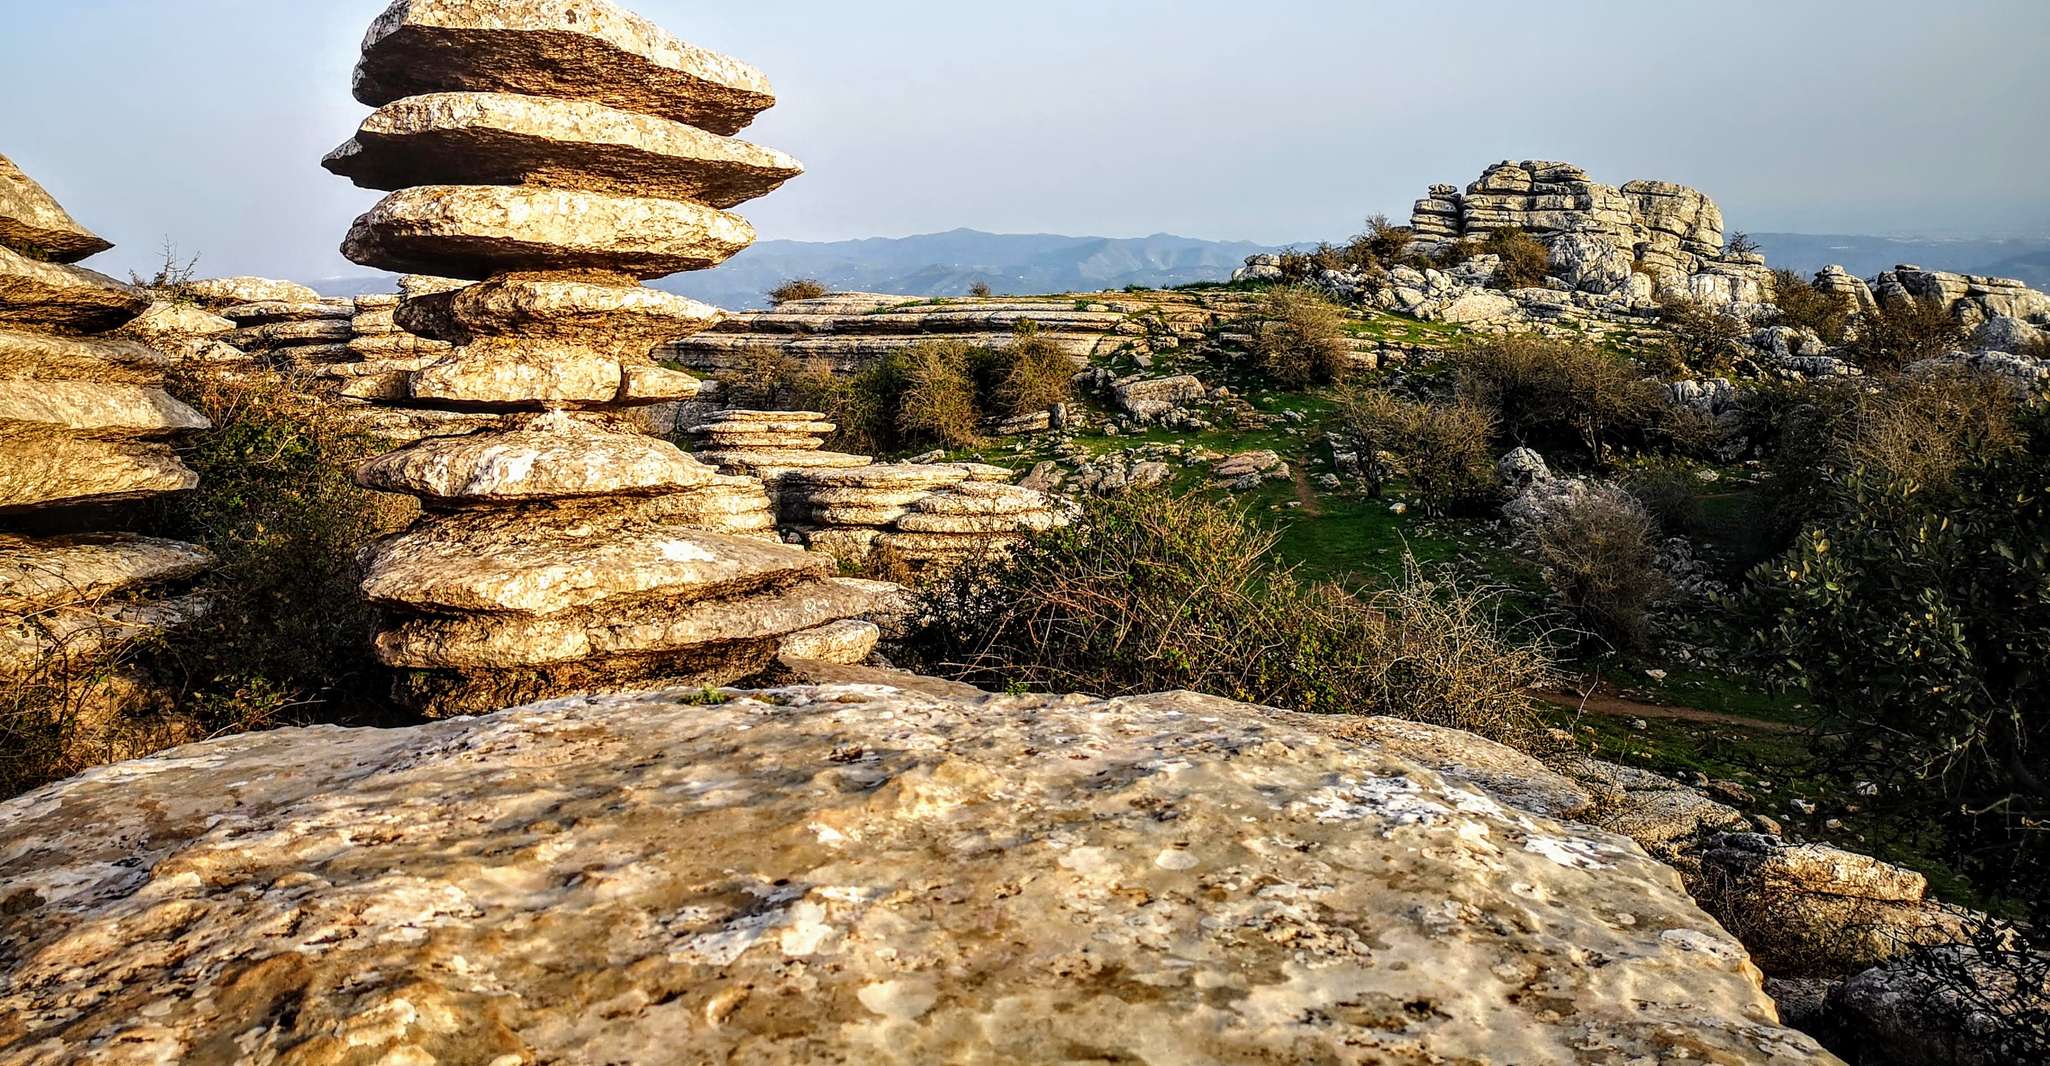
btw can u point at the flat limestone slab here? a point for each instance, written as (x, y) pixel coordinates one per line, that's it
(42, 471)
(574, 49)
(263, 312)
(34, 224)
(542, 562)
(552, 457)
(503, 139)
(289, 334)
(596, 311)
(92, 409)
(507, 640)
(38, 572)
(66, 298)
(475, 231)
(32, 356)
(513, 375)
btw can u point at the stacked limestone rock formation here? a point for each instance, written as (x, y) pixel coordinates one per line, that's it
(771, 446)
(293, 333)
(1602, 238)
(85, 429)
(556, 155)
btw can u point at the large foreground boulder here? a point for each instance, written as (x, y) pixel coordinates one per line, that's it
(851, 873)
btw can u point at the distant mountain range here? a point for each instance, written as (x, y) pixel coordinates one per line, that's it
(946, 264)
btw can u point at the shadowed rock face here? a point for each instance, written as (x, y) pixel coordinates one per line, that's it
(850, 873)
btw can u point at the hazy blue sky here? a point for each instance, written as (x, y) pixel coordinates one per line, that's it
(1283, 120)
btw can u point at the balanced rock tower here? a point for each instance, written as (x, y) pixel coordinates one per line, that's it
(557, 154)
(86, 430)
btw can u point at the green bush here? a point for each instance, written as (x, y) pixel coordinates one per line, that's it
(1525, 261)
(1672, 494)
(1553, 394)
(755, 381)
(1801, 304)
(278, 505)
(1444, 450)
(1915, 609)
(1699, 340)
(1902, 332)
(798, 289)
(1149, 591)
(1598, 552)
(1300, 339)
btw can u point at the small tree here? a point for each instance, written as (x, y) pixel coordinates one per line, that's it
(979, 289)
(797, 289)
(1300, 339)
(1550, 392)
(1700, 339)
(1443, 449)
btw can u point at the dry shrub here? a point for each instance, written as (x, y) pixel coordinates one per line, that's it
(1552, 393)
(1035, 372)
(937, 404)
(1150, 591)
(1300, 339)
(798, 289)
(1525, 261)
(1443, 449)
(1918, 431)
(979, 289)
(755, 380)
(1598, 549)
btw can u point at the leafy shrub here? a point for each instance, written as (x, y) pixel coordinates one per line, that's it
(1525, 261)
(1802, 305)
(1598, 550)
(1149, 591)
(1671, 494)
(866, 408)
(1035, 372)
(1444, 449)
(937, 404)
(798, 289)
(278, 505)
(1386, 242)
(978, 289)
(1915, 609)
(1901, 332)
(1300, 339)
(1551, 393)
(1699, 339)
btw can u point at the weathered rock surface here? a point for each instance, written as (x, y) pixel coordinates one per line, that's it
(34, 224)
(95, 410)
(62, 297)
(49, 471)
(220, 293)
(503, 139)
(26, 356)
(498, 641)
(53, 571)
(542, 563)
(846, 642)
(475, 231)
(570, 49)
(552, 457)
(872, 874)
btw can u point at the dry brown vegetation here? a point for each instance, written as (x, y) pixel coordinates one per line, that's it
(798, 289)
(1300, 339)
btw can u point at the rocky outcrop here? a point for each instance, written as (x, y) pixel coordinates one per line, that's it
(855, 873)
(845, 331)
(1973, 299)
(86, 429)
(1625, 244)
(547, 156)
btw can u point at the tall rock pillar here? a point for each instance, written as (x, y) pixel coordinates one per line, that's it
(557, 154)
